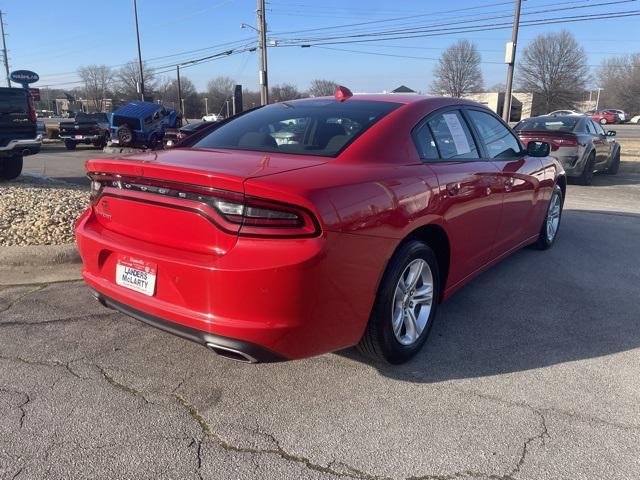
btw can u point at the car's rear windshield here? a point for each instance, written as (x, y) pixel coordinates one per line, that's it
(555, 124)
(312, 127)
(13, 102)
(92, 117)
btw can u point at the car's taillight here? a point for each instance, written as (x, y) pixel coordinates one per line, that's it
(249, 216)
(32, 110)
(563, 142)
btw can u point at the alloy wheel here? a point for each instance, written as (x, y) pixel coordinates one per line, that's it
(553, 217)
(412, 302)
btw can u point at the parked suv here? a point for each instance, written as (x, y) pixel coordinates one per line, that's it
(18, 130)
(88, 128)
(142, 124)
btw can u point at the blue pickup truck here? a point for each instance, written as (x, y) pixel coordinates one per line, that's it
(142, 124)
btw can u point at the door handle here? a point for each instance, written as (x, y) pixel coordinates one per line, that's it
(508, 184)
(453, 189)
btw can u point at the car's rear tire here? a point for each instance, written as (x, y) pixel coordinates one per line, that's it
(586, 177)
(551, 223)
(11, 167)
(69, 145)
(405, 306)
(615, 164)
(603, 121)
(125, 135)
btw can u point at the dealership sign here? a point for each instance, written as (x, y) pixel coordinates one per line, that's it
(24, 77)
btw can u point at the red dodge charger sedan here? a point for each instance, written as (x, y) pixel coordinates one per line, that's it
(350, 231)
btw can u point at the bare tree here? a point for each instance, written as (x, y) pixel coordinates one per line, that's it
(98, 80)
(284, 92)
(321, 88)
(219, 90)
(128, 77)
(167, 93)
(620, 82)
(458, 70)
(554, 65)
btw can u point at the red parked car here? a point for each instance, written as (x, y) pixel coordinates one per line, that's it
(604, 116)
(350, 235)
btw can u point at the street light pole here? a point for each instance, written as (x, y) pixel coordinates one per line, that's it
(598, 97)
(4, 51)
(262, 45)
(206, 106)
(510, 59)
(135, 14)
(179, 89)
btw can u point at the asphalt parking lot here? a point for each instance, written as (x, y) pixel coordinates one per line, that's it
(531, 372)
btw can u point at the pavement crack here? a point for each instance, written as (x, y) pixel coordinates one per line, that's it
(120, 386)
(17, 300)
(278, 450)
(57, 320)
(39, 363)
(541, 436)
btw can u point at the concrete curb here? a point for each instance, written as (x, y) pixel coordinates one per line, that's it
(39, 255)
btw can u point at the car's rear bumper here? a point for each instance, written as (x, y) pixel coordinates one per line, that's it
(32, 145)
(82, 138)
(292, 298)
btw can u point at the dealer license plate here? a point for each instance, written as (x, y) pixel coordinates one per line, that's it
(136, 274)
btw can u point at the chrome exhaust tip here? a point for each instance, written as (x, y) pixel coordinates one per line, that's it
(231, 353)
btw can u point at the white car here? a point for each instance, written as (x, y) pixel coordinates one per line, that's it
(212, 117)
(565, 112)
(635, 120)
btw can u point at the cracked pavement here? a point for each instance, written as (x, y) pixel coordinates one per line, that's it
(531, 372)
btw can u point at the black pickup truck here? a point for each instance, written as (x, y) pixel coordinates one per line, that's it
(88, 128)
(18, 131)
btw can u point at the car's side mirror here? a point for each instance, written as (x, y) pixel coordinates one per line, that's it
(611, 133)
(538, 149)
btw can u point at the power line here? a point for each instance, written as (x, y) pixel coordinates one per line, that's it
(457, 30)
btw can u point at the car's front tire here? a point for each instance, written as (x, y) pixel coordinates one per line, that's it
(11, 167)
(551, 223)
(405, 305)
(69, 145)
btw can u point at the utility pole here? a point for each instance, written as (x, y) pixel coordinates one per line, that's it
(135, 14)
(4, 50)
(262, 45)
(179, 89)
(598, 97)
(206, 106)
(510, 58)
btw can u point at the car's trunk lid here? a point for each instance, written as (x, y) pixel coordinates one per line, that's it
(153, 196)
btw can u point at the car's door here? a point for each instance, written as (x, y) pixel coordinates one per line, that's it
(520, 180)
(469, 199)
(603, 146)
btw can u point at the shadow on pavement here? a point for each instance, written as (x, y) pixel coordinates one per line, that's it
(577, 301)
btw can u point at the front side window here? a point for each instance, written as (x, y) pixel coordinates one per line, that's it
(591, 128)
(452, 136)
(309, 127)
(599, 129)
(500, 142)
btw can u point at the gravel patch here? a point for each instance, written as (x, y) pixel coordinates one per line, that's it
(39, 211)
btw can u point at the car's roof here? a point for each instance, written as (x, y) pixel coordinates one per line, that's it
(138, 109)
(403, 99)
(554, 117)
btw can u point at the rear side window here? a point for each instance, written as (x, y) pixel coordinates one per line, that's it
(452, 136)
(309, 127)
(13, 102)
(425, 143)
(500, 142)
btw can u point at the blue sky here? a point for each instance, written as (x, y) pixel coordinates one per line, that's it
(55, 38)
